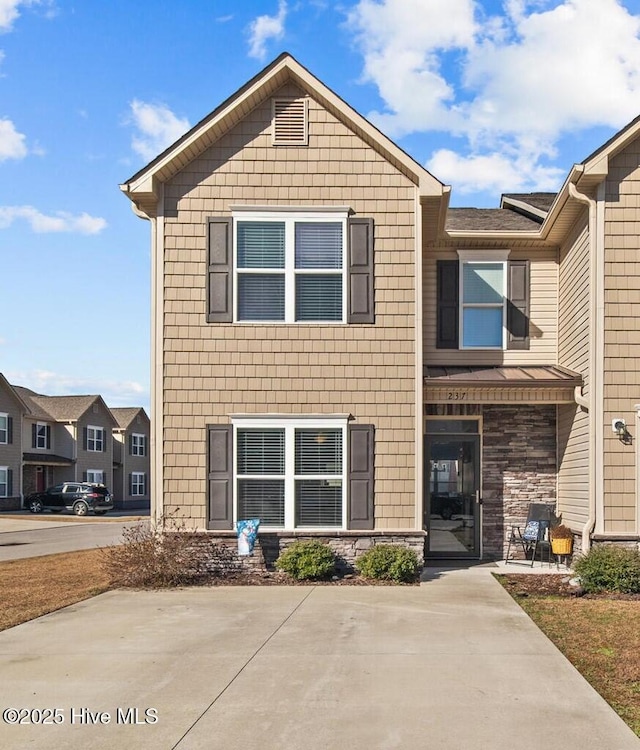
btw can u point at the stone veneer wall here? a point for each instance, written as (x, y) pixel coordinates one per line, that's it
(346, 545)
(518, 467)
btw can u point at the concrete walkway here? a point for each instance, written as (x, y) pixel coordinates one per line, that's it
(451, 664)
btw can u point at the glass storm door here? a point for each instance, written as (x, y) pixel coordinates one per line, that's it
(452, 492)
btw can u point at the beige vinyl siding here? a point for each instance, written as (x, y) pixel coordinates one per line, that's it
(621, 337)
(214, 370)
(543, 311)
(573, 352)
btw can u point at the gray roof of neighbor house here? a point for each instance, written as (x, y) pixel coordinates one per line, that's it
(59, 408)
(488, 220)
(541, 201)
(124, 415)
(32, 400)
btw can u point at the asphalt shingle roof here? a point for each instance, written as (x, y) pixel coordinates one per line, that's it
(488, 220)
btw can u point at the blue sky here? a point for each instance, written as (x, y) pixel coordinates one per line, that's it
(490, 96)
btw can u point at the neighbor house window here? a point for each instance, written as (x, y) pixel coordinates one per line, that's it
(138, 444)
(290, 268)
(95, 476)
(95, 438)
(4, 428)
(291, 475)
(42, 436)
(4, 481)
(138, 483)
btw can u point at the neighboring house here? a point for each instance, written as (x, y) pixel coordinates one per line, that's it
(12, 412)
(66, 438)
(340, 354)
(131, 458)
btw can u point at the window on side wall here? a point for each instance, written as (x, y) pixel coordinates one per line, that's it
(95, 439)
(291, 475)
(483, 301)
(95, 476)
(41, 436)
(138, 444)
(4, 481)
(4, 428)
(138, 483)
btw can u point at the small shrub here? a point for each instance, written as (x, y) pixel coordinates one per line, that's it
(165, 555)
(307, 560)
(390, 562)
(609, 568)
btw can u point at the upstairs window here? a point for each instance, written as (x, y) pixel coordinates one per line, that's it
(95, 439)
(4, 428)
(483, 301)
(290, 270)
(41, 436)
(138, 444)
(483, 305)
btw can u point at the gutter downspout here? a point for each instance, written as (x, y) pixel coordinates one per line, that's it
(594, 403)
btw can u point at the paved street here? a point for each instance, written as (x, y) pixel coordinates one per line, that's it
(46, 534)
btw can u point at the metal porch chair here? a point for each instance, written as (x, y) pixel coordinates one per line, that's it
(533, 536)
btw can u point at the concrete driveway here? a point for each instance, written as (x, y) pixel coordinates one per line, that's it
(451, 664)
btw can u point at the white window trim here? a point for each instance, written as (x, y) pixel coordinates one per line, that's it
(95, 428)
(142, 444)
(38, 426)
(5, 429)
(140, 484)
(290, 215)
(5, 470)
(482, 256)
(289, 424)
(96, 471)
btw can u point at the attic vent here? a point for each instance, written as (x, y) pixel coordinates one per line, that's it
(95, 408)
(290, 122)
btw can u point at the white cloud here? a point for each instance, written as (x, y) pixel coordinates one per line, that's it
(511, 85)
(9, 12)
(157, 128)
(114, 392)
(60, 222)
(493, 172)
(264, 28)
(12, 143)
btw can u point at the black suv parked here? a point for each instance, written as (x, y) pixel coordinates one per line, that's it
(80, 497)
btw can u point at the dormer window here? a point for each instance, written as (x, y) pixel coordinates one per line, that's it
(290, 122)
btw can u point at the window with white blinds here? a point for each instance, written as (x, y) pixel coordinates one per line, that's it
(291, 475)
(290, 269)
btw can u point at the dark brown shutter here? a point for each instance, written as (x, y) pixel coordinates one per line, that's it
(104, 440)
(144, 484)
(9, 482)
(34, 435)
(84, 476)
(220, 476)
(518, 304)
(360, 497)
(84, 438)
(448, 293)
(9, 430)
(131, 445)
(360, 287)
(219, 271)
(130, 485)
(47, 432)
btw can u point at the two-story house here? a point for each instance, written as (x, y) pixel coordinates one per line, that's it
(340, 354)
(131, 457)
(12, 412)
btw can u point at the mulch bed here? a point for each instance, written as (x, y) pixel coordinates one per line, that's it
(528, 585)
(282, 579)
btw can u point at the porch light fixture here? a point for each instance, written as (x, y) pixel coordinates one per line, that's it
(619, 427)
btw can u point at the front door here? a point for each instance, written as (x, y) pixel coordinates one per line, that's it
(452, 489)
